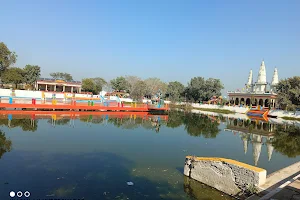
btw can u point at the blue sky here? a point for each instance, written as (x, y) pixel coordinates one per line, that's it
(172, 40)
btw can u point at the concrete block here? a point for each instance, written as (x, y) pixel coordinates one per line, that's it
(226, 175)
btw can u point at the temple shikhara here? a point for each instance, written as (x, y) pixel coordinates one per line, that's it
(257, 93)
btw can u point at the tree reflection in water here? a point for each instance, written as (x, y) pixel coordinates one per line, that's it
(5, 144)
(287, 140)
(26, 124)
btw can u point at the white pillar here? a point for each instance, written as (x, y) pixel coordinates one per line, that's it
(72, 89)
(46, 87)
(64, 88)
(54, 88)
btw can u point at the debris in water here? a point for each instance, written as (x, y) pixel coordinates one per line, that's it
(130, 183)
(50, 195)
(165, 170)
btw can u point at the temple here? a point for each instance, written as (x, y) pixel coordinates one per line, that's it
(259, 93)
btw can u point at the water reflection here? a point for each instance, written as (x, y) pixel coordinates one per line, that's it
(281, 137)
(5, 144)
(81, 153)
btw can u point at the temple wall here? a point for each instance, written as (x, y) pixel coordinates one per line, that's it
(226, 175)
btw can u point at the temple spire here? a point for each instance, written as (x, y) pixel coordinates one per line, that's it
(250, 78)
(262, 77)
(261, 84)
(275, 77)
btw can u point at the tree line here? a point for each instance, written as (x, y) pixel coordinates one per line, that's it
(198, 88)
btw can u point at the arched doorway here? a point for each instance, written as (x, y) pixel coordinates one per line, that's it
(237, 101)
(248, 102)
(267, 103)
(242, 101)
(261, 102)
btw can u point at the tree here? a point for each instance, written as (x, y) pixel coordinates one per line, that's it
(13, 75)
(119, 83)
(63, 76)
(175, 91)
(5, 144)
(289, 93)
(154, 86)
(31, 74)
(7, 58)
(199, 89)
(139, 90)
(93, 85)
(132, 83)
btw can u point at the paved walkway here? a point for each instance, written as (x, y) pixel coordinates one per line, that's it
(289, 192)
(281, 185)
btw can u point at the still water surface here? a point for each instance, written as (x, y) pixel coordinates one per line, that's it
(93, 157)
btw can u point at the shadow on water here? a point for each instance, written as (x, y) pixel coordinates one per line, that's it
(180, 169)
(196, 190)
(99, 175)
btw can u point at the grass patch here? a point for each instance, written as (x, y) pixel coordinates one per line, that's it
(223, 111)
(189, 107)
(291, 118)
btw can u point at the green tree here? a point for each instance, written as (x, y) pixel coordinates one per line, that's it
(119, 83)
(199, 89)
(7, 57)
(62, 76)
(5, 144)
(175, 91)
(289, 93)
(99, 83)
(93, 85)
(31, 74)
(13, 75)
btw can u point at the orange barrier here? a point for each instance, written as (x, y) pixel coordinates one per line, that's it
(55, 106)
(18, 114)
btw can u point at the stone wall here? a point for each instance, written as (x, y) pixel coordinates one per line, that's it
(226, 175)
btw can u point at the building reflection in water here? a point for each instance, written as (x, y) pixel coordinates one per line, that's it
(253, 132)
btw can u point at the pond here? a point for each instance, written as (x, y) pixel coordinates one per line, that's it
(94, 156)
